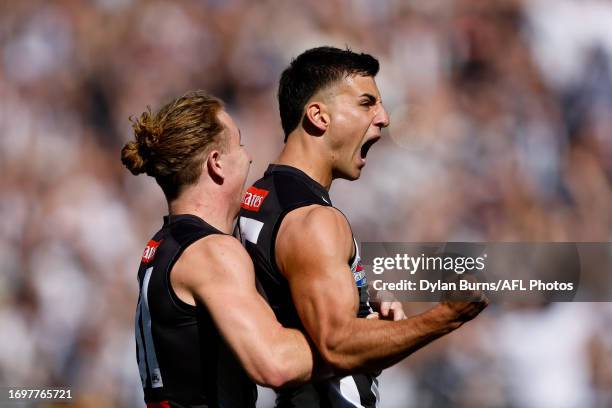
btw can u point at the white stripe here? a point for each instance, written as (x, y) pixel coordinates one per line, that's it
(374, 389)
(141, 357)
(156, 380)
(250, 229)
(357, 258)
(348, 390)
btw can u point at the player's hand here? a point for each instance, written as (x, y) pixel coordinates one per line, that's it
(462, 312)
(464, 305)
(392, 310)
(388, 307)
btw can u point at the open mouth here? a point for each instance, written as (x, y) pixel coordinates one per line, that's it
(366, 146)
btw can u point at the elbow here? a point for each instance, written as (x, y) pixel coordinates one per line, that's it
(274, 380)
(339, 362)
(276, 375)
(340, 352)
(283, 376)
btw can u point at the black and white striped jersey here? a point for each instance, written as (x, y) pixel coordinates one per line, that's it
(182, 358)
(266, 203)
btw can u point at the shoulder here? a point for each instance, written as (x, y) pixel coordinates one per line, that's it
(316, 218)
(315, 229)
(221, 254)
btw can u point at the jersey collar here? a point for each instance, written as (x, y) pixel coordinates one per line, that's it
(281, 168)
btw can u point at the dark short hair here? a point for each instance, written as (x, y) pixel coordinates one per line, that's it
(312, 71)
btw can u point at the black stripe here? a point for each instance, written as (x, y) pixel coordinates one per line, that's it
(364, 386)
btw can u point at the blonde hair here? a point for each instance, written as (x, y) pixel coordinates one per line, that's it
(171, 145)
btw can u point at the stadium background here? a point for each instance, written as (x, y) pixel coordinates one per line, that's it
(501, 131)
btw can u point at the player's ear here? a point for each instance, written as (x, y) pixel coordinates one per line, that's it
(317, 117)
(214, 166)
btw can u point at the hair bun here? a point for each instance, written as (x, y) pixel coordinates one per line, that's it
(131, 158)
(136, 154)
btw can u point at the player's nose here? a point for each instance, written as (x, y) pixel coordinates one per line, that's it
(382, 117)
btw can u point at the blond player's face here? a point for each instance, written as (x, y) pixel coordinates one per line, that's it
(236, 155)
(357, 120)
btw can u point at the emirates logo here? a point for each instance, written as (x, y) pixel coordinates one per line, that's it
(253, 199)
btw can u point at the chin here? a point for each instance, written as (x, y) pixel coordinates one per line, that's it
(357, 171)
(349, 174)
(352, 176)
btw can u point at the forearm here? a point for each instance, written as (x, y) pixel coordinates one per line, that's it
(291, 359)
(313, 256)
(370, 345)
(294, 354)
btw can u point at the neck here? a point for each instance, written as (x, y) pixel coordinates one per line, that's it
(211, 206)
(307, 153)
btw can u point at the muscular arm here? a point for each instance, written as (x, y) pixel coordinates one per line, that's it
(217, 272)
(312, 250)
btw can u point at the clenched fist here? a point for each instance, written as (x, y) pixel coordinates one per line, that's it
(464, 305)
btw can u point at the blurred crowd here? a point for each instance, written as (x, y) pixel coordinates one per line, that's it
(501, 130)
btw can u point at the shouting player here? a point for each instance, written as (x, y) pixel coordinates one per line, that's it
(202, 329)
(305, 255)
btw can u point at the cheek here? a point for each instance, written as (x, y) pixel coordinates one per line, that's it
(357, 115)
(353, 125)
(347, 121)
(246, 161)
(242, 167)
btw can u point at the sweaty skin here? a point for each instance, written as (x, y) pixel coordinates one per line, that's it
(217, 272)
(312, 250)
(314, 243)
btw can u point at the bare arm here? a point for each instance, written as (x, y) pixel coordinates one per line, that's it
(217, 272)
(312, 250)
